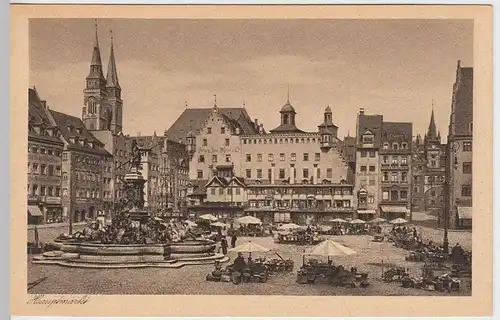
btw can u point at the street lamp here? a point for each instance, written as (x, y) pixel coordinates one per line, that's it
(452, 146)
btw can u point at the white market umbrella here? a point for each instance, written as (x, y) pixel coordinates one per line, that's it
(377, 220)
(249, 220)
(250, 247)
(289, 226)
(330, 248)
(357, 221)
(218, 224)
(399, 221)
(338, 220)
(209, 217)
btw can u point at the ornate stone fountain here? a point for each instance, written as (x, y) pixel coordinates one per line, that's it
(123, 244)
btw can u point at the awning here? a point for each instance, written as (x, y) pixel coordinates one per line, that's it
(464, 213)
(35, 211)
(369, 211)
(394, 209)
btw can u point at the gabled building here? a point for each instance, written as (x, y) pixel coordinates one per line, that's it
(459, 152)
(45, 149)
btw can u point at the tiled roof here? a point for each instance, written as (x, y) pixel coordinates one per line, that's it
(69, 126)
(391, 131)
(350, 149)
(38, 117)
(286, 128)
(372, 123)
(193, 119)
(199, 187)
(463, 102)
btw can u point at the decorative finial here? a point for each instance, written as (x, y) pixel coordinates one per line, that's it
(215, 100)
(288, 94)
(111, 32)
(186, 103)
(432, 104)
(96, 44)
(243, 102)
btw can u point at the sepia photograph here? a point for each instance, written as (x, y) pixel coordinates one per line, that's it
(250, 157)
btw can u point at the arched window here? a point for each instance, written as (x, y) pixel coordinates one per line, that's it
(285, 119)
(92, 105)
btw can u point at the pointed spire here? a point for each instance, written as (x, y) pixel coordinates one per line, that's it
(431, 132)
(215, 100)
(112, 76)
(244, 103)
(96, 63)
(288, 94)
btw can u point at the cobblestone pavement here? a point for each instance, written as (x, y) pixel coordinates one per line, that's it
(191, 279)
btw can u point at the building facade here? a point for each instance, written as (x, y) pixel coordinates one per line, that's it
(282, 175)
(459, 152)
(383, 168)
(44, 164)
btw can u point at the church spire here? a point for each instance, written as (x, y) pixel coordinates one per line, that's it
(112, 76)
(431, 132)
(96, 63)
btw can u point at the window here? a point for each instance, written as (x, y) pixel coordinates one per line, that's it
(238, 191)
(200, 174)
(282, 173)
(372, 168)
(317, 157)
(403, 195)
(228, 158)
(362, 199)
(404, 176)
(50, 152)
(259, 157)
(371, 199)
(305, 173)
(214, 158)
(395, 146)
(363, 154)
(259, 173)
(270, 157)
(467, 146)
(35, 168)
(385, 176)
(209, 130)
(227, 142)
(433, 193)
(368, 139)
(269, 174)
(394, 195)
(467, 167)
(386, 145)
(404, 145)
(51, 170)
(363, 168)
(222, 130)
(205, 142)
(318, 173)
(201, 159)
(433, 163)
(42, 150)
(404, 160)
(249, 173)
(249, 157)
(329, 173)
(470, 126)
(372, 182)
(293, 157)
(466, 191)
(306, 157)
(282, 157)
(395, 160)
(42, 191)
(43, 169)
(386, 160)
(212, 191)
(372, 153)
(394, 177)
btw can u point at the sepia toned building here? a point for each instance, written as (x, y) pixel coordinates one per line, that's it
(459, 152)
(282, 175)
(383, 168)
(45, 149)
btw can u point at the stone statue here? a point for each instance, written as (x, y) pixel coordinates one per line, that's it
(135, 162)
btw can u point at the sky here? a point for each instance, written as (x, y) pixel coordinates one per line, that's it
(397, 68)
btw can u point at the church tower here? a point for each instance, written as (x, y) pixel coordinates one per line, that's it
(432, 143)
(95, 113)
(114, 92)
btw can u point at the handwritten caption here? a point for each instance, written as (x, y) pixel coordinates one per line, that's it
(41, 299)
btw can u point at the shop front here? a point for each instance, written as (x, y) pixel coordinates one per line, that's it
(394, 212)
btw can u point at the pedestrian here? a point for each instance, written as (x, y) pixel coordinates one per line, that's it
(234, 238)
(223, 244)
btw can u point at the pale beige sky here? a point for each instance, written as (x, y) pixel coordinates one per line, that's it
(390, 67)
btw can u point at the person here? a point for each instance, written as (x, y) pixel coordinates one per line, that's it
(223, 244)
(234, 238)
(456, 253)
(239, 263)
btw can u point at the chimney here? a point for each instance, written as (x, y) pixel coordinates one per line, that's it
(361, 111)
(138, 133)
(261, 128)
(256, 124)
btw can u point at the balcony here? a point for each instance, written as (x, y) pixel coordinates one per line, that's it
(394, 166)
(398, 182)
(52, 200)
(395, 202)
